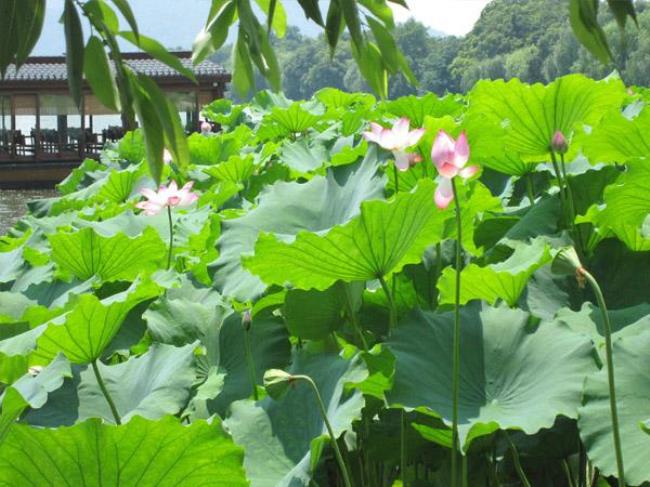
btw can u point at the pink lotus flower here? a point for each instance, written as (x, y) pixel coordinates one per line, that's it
(396, 139)
(450, 157)
(166, 197)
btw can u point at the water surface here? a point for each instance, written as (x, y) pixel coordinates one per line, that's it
(13, 204)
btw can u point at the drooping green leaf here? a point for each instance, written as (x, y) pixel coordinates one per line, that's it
(385, 237)
(85, 254)
(74, 42)
(277, 436)
(583, 15)
(215, 32)
(158, 51)
(151, 386)
(98, 74)
(501, 281)
(633, 391)
(501, 360)
(142, 452)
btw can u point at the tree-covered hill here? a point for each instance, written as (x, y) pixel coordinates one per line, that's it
(528, 39)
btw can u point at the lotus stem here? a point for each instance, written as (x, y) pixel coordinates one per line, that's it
(108, 397)
(558, 175)
(455, 379)
(530, 188)
(171, 237)
(567, 473)
(250, 362)
(403, 447)
(391, 302)
(610, 372)
(396, 174)
(515, 458)
(330, 431)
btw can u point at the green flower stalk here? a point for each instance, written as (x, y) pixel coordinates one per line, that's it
(450, 157)
(566, 262)
(107, 396)
(167, 197)
(277, 383)
(247, 321)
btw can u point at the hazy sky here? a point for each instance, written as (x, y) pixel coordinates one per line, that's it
(455, 17)
(175, 23)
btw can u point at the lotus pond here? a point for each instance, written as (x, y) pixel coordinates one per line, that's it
(308, 255)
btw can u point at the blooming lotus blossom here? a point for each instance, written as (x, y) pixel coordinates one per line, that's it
(450, 157)
(206, 128)
(166, 197)
(396, 139)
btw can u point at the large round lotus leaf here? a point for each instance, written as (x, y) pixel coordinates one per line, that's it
(512, 377)
(278, 436)
(139, 453)
(285, 209)
(631, 372)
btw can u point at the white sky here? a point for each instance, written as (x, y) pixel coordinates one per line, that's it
(455, 17)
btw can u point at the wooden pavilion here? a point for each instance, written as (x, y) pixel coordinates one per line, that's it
(43, 134)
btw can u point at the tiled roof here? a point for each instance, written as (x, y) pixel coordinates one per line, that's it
(54, 69)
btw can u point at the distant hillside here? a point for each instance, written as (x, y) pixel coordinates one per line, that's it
(528, 39)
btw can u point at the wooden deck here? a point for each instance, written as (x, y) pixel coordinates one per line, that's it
(35, 174)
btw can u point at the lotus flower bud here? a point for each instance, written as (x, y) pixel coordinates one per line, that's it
(206, 128)
(559, 143)
(246, 319)
(277, 382)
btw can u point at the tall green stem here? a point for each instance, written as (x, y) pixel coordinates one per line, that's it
(567, 473)
(391, 302)
(403, 448)
(250, 361)
(330, 431)
(530, 188)
(560, 184)
(396, 174)
(515, 458)
(455, 379)
(108, 397)
(610, 373)
(171, 237)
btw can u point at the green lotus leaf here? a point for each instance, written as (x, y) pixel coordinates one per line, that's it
(504, 280)
(11, 264)
(283, 122)
(205, 150)
(152, 385)
(85, 254)
(619, 138)
(141, 452)
(285, 209)
(589, 321)
(383, 239)
(84, 332)
(236, 169)
(627, 208)
(226, 354)
(277, 436)
(501, 359)
(417, 108)
(631, 363)
(531, 114)
(313, 315)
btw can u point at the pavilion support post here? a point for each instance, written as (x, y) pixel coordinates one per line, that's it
(197, 125)
(82, 135)
(37, 138)
(12, 136)
(62, 131)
